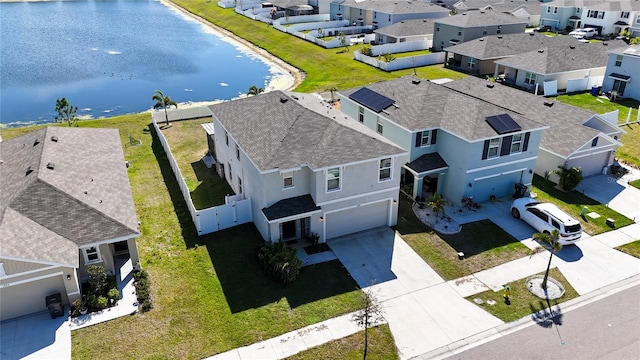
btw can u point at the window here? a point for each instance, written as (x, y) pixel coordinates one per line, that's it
(516, 143)
(594, 142)
(459, 33)
(484, 32)
(494, 148)
(548, 9)
(333, 179)
(530, 78)
(230, 174)
(237, 152)
(543, 216)
(555, 224)
(618, 87)
(385, 169)
(226, 138)
(618, 60)
(624, 15)
(437, 28)
(91, 255)
(240, 185)
(471, 63)
(601, 15)
(2, 273)
(555, 9)
(287, 179)
(498, 31)
(424, 138)
(380, 127)
(361, 114)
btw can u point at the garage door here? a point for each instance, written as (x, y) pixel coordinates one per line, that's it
(591, 165)
(498, 186)
(27, 298)
(360, 218)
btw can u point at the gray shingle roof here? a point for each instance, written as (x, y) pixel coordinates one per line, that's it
(301, 131)
(532, 7)
(476, 18)
(499, 46)
(77, 193)
(397, 6)
(408, 28)
(427, 105)
(428, 162)
(562, 58)
(607, 5)
(289, 207)
(566, 133)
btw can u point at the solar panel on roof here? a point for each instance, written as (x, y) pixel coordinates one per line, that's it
(371, 99)
(503, 124)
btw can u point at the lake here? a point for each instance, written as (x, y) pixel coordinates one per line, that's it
(108, 57)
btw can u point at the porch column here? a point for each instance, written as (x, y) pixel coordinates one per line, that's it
(417, 186)
(495, 72)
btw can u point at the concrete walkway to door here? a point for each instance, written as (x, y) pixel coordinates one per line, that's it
(423, 311)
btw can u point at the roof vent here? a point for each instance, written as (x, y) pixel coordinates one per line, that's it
(532, 34)
(499, 36)
(572, 46)
(29, 170)
(295, 97)
(481, 39)
(51, 166)
(490, 86)
(540, 51)
(54, 138)
(415, 81)
(283, 100)
(605, 43)
(36, 142)
(548, 103)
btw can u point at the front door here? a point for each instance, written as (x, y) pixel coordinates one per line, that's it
(618, 87)
(288, 230)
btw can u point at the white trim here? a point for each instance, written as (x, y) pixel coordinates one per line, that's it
(73, 266)
(486, 177)
(424, 173)
(292, 217)
(109, 241)
(2, 273)
(74, 293)
(326, 179)
(390, 170)
(26, 281)
(571, 157)
(501, 164)
(395, 188)
(85, 255)
(34, 271)
(513, 171)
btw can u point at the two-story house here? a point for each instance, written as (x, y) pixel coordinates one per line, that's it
(65, 204)
(459, 146)
(622, 66)
(523, 9)
(608, 17)
(381, 13)
(471, 25)
(306, 167)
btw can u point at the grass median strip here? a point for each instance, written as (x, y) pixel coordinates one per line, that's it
(632, 248)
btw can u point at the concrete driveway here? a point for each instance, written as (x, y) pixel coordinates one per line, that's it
(35, 336)
(423, 311)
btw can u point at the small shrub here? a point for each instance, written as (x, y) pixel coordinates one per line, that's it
(97, 278)
(367, 50)
(279, 262)
(113, 294)
(143, 291)
(101, 302)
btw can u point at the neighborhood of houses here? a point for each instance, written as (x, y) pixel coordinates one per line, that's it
(301, 165)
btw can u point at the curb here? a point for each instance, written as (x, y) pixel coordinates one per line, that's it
(508, 328)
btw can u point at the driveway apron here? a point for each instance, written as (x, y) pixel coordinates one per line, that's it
(423, 311)
(35, 336)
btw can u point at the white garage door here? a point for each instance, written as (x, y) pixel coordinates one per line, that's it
(360, 218)
(591, 165)
(498, 186)
(27, 298)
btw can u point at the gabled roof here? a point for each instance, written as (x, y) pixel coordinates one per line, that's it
(408, 28)
(499, 46)
(284, 130)
(63, 188)
(396, 6)
(566, 133)
(506, 6)
(421, 104)
(607, 5)
(303, 204)
(476, 18)
(562, 58)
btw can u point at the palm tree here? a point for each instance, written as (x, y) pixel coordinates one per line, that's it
(162, 102)
(254, 90)
(552, 240)
(437, 203)
(333, 91)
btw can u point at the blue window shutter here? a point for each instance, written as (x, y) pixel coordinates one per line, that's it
(434, 135)
(506, 145)
(419, 139)
(525, 145)
(485, 151)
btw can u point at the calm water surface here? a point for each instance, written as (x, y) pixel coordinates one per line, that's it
(108, 57)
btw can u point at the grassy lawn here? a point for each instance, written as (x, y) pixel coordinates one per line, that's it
(484, 243)
(188, 142)
(209, 294)
(630, 151)
(411, 53)
(523, 302)
(324, 68)
(381, 346)
(600, 106)
(635, 183)
(631, 248)
(572, 202)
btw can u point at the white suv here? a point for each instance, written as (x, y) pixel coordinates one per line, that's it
(586, 33)
(546, 217)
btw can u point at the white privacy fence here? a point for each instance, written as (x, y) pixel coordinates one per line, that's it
(404, 62)
(235, 211)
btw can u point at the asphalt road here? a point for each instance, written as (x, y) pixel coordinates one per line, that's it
(605, 329)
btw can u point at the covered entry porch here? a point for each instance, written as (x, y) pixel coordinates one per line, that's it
(423, 176)
(292, 219)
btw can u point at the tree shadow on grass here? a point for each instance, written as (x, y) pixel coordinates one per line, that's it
(233, 253)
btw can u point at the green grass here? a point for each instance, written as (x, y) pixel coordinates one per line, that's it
(523, 302)
(632, 249)
(484, 243)
(411, 53)
(573, 202)
(635, 183)
(188, 142)
(630, 151)
(381, 346)
(209, 294)
(324, 68)
(600, 106)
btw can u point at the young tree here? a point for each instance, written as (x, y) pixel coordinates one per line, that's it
(370, 315)
(569, 177)
(343, 41)
(333, 91)
(552, 240)
(162, 102)
(254, 90)
(66, 112)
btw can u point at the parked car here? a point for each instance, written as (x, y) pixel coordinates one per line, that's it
(546, 217)
(586, 33)
(543, 28)
(582, 40)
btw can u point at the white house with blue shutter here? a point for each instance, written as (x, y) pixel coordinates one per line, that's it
(459, 145)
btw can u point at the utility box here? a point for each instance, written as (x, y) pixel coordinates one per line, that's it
(519, 190)
(54, 304)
